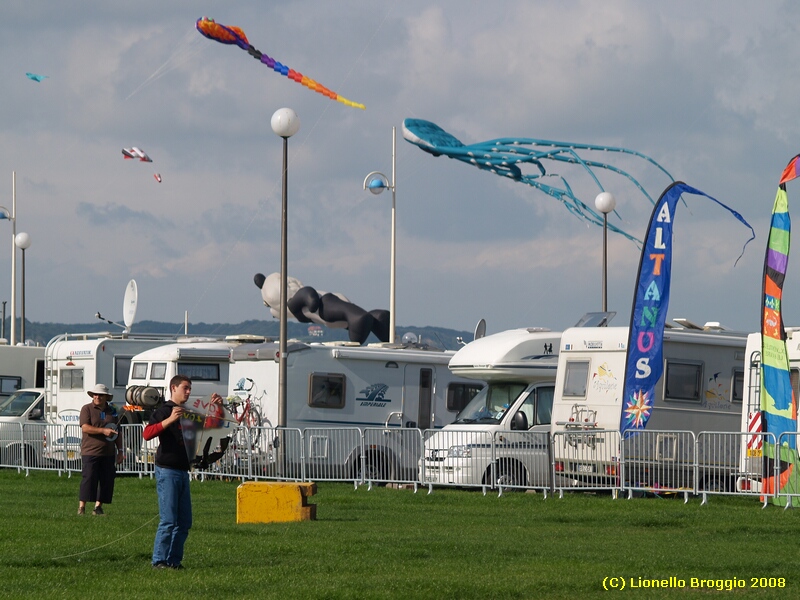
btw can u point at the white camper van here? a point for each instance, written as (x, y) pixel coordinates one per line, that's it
(393, 390)
(701, 390)
(205, 361)
(20, 367)
(502, 435)
(751, 452)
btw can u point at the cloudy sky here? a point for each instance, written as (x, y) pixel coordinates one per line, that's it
(710, 90)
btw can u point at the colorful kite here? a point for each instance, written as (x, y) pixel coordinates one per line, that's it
(234, 35)
(644, 364)
(35, 77)
(778, 402)
(207, 428)
(505, 155)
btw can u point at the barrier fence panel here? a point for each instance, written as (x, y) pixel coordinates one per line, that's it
(789, 493)
(457, 457)
(754, 468)
(12, 453)
(62, 447)
(131, 435)
(586, 459)
(392, 454)
(521, 460)
(659, 461)
(332, 454)
(718, 455)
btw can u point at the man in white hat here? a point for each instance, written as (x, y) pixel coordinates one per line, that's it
(101, 450)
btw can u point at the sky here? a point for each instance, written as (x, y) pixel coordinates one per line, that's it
(709, 90)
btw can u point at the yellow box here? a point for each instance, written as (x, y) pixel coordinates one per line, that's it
(274, 502)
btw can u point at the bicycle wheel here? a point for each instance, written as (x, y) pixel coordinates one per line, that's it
(252, 421)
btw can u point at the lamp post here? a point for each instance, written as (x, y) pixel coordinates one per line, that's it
(605, 203)
(285, 123)
(23, 242)
(376, 182)
(12, 216)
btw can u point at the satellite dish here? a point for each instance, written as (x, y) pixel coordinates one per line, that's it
(129, 304)
(480, 329)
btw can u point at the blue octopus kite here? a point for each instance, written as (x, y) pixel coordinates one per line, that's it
(503, 157)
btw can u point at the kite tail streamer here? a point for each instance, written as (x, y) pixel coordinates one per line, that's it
(778, 401)
(235, 36)
(644, 363)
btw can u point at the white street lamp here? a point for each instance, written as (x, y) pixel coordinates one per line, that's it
(376, 182)
(285, 123)
(23, 242)
(605, 203)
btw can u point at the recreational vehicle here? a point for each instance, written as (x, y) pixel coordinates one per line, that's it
(205, 361)
(751, 458)
(388, 394)
(501, 436)
(700, 390)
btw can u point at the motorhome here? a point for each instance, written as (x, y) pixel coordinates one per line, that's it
(20, 367)
(751, 452)
(700, 390)
(501, 436)
(393, 391)
(206, 361)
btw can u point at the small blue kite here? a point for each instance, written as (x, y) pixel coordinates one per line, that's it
(35, 77)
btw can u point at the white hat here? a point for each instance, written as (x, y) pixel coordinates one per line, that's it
(100, 389)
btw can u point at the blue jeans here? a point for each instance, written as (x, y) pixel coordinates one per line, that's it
(175, 510)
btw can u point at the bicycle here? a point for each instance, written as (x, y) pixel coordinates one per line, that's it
(247, 414)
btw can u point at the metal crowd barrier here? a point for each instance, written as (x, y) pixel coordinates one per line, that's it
(710, 463)
(789, 441)
(522, 460)
(456, 457)
(391, 455)
(659, 462)
(586, 460)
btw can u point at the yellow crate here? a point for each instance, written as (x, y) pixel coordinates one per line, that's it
(274, 502)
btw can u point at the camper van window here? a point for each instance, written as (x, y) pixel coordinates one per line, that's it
(327, 390)
(683, 381)
(158, 371)
(139, 371)
(122, 366)
(738, 386)
(544, 405)
(199, 371)
(459, 395)
(9, 385)
(575, 378)
(70, 379)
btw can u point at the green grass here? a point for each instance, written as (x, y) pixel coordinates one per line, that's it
(388, 543)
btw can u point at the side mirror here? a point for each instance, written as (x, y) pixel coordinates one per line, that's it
(519, 422)
(35, 414)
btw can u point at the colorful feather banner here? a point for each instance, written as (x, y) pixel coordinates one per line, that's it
(644, 362)
(778, 401)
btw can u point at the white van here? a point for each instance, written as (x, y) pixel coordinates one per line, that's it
(501, 436)
(22, 428)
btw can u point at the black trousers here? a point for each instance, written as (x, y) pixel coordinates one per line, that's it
(97, 478)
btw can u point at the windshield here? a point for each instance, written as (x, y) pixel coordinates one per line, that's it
(491, 403)
(16, 404)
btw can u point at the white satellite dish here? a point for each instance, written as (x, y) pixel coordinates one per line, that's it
(480, 330)
(129, 304)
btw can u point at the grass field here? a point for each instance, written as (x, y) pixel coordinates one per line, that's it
(388, 543)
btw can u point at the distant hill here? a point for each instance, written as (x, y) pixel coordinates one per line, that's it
(437, 337)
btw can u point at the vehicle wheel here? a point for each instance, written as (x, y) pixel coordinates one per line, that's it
(373, 469)
(13, 457)
(512, 474)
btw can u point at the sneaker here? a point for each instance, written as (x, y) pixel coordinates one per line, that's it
(160, 565)
(81, 510)
(177, 567)
(98, 510)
